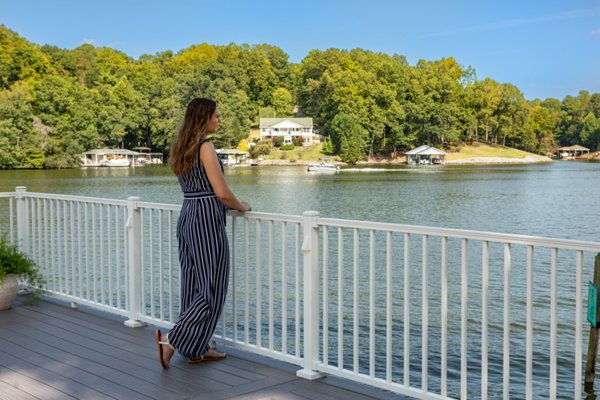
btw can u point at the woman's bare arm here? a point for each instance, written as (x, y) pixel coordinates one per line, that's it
(208, 157)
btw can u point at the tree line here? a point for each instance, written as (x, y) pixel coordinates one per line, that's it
(57, 103)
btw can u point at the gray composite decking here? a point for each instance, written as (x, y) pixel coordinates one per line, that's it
(52, 352)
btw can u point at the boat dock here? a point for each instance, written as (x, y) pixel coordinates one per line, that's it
(51, 351)
(119, 158)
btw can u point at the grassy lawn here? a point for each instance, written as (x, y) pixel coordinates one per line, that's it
(485, 150)
(312, 153)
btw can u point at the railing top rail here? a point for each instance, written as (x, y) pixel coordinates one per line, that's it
(83, 199)
(159, 206)
(268, 216)
(8, 194)
(464, 234)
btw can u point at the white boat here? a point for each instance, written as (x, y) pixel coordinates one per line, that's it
(116, 162)
(323, 167)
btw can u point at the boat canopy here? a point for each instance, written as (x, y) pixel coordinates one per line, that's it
(424, 154)
(112, 152)
(98, 157)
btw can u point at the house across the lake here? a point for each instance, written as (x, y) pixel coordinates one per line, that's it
(425, 155)
(300, 129)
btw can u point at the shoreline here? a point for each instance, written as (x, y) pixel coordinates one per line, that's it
(500, 160)
(398, 161)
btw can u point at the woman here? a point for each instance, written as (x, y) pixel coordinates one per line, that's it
(203, 246)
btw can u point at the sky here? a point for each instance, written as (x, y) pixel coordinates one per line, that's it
(546, 48)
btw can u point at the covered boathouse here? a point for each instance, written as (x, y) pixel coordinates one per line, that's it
(425, 155)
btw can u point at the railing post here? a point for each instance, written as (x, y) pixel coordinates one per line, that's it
(310, 247)
(134, 252)
(22, 222)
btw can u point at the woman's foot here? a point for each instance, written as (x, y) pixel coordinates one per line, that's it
(165, 350)
(210, 355)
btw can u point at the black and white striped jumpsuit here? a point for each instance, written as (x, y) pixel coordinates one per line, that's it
(204, 259)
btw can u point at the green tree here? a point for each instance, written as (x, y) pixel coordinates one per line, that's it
(511, 113)
(539, 136)
(20, 60)
(590, 131)
(348, 137)
(20, 145)
(282, 102)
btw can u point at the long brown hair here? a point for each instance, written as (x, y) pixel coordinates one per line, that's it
(184, 150)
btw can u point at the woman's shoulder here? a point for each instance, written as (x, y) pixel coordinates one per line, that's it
(207, 145)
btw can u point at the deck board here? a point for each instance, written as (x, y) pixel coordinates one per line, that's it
(51, 351)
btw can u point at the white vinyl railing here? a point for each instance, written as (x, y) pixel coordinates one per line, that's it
(422, 311)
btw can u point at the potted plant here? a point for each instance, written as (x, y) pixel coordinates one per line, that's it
(14, 264)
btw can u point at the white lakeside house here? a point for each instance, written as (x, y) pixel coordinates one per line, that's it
(289, 128)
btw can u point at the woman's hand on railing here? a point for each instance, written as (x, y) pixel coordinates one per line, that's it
(246, 207)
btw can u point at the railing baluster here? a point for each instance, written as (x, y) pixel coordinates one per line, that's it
(284, 289)
(271, 293)
(464, 301)
(340, 335)
(325, 322)
(578, 322)
(41, 224)
(444, 317)
(355, 309)
(372, 303)
(553, 321)
(425, 316)
(11, 220)
(171, 233)
(79, 253)
(87, 254)
(484, 317)
(94, 263)
(234, 270)
(32, 219)
(297, 278)
(388, 307)
(258, 285)
(118, 265)
(53, 227)
(102, 245)
(64, 267)
(529, 328)
(246, 282)
(161, 272)
(407, 241)
(73, 268)
(22, 218)
(150, 258)
(506, 336)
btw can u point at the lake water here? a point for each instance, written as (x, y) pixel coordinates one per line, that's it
(558, 199)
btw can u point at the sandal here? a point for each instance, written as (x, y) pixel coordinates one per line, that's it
(157, 336)
(215, 356)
